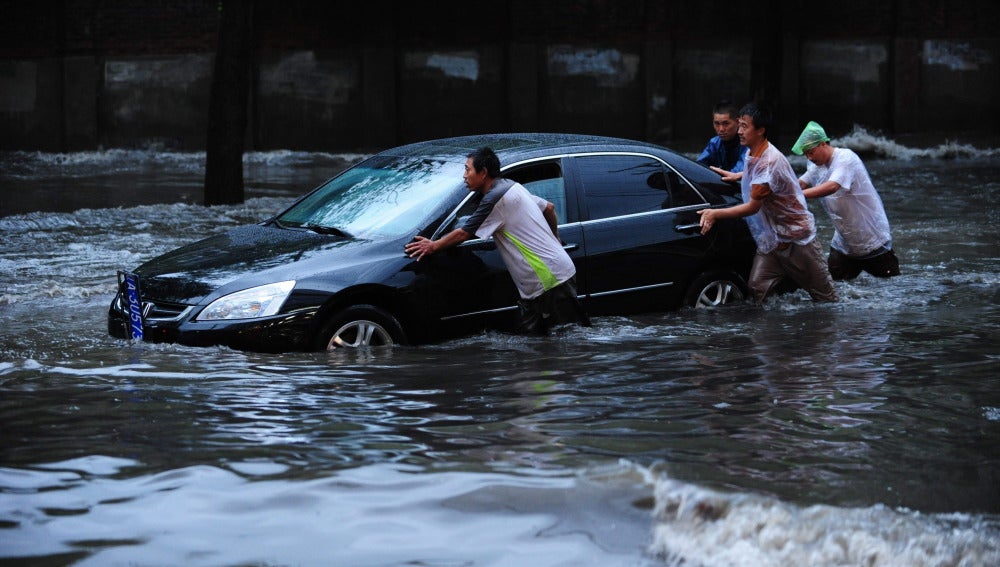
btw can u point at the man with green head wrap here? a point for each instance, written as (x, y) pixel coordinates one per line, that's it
(861, 239)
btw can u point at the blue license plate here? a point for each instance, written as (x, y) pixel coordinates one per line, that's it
(128, 283)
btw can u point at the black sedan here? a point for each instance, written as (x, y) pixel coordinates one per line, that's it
(330, 270)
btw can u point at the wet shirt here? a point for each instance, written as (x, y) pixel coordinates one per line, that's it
(856, 211)
(784, 216)
(534, 257)
(727, 155)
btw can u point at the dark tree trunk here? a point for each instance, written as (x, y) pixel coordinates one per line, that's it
(227, 119)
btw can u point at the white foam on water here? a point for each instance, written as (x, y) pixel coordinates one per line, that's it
(698, 527)
(864, 142)
(870, 143)
(27, 164)
(283, 158)
(87, 247)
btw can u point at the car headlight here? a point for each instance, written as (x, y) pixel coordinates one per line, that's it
(259, 301)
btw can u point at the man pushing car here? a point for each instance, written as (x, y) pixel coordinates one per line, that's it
(526, 233)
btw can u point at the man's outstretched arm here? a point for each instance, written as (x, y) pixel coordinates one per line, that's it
(421, 246)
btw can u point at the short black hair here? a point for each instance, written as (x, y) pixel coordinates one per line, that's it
(760, 115)
(726, 107)
(485, 158)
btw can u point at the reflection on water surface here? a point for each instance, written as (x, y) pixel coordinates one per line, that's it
(862, 432)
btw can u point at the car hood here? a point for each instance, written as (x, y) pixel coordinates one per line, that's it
(245, 257)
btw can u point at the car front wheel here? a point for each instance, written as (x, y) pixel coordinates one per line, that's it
(715, 288)
(360, 326)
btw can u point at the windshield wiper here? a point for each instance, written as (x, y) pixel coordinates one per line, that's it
(320, 229)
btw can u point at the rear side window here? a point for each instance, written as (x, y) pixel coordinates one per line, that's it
(544, 180)
(620, 185)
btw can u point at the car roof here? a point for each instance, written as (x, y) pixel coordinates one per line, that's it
(515, 147)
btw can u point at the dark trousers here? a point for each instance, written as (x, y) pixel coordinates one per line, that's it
(556, 306)
(881, 263)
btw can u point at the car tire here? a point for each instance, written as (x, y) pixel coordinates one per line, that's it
(715, 288)
(360, 326)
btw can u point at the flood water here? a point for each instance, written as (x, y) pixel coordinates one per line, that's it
(861, 433)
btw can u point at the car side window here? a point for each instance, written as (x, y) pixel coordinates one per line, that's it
(544, 180)
(620, 185)
(681, 192)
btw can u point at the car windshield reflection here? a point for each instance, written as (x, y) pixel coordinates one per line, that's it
(380, 197)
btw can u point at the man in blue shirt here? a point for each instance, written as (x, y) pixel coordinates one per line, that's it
(724, 154)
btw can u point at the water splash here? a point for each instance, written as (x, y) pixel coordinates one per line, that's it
(86, 247)
(34, 165)
(867, 143)
(695, 526)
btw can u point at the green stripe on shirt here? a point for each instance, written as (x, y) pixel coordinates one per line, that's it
(543, 272)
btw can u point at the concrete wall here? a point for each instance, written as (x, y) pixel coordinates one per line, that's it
(339, 76)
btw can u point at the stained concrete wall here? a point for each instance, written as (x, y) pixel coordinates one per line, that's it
(155, 100)
(337, 76)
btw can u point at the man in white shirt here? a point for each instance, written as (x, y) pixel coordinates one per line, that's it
(861, 239)
(525, 229)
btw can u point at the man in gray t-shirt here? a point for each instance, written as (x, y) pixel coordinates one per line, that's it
(526, 233)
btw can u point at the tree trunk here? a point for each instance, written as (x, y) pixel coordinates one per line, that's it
(227, 119)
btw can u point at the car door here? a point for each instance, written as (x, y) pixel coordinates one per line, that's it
(640, 231)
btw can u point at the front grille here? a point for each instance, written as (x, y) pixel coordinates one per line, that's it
(155, 311)
(164, 311)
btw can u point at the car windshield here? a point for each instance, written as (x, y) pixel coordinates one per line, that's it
(384, 196)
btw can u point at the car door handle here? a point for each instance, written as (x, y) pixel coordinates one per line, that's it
(687, 227)
(571, 247)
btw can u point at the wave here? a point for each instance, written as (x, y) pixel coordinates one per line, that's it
(144, 217)
(698, 527)
(86, 247)
(27, 164)
(24, 164)
(866, 143)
